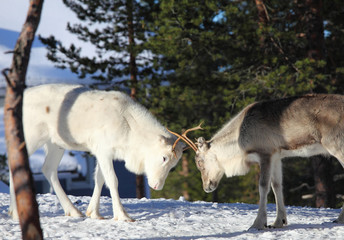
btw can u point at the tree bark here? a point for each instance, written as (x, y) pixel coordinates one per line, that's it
(185, 174)
(263, 19)
(17, 154)
(140, 186)
(314, 29)
(132, 58)
(313, 22)
(322, 181)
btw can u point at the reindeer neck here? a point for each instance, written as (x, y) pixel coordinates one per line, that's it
(224, 145)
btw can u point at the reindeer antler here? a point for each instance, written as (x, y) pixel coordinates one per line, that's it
(185, 138)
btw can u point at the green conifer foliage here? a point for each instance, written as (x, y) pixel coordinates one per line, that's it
(207, 60)
(104, 24)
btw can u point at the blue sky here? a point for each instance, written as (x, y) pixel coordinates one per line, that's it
(40, 73)
(54, 19)
(53, 22)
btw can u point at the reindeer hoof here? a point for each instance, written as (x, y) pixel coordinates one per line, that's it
(124, 219)
(259, 228)
(278, 224)
(94, 215)
(338, 221)
(14, 215)
(74, 213)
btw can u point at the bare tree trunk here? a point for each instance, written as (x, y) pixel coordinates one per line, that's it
(314, 29)
(313, 21)
(185, 174)
(17, 154)
(140, 187)
(263, 18)
(322, 181)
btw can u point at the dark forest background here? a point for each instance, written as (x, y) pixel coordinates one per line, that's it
(204, 60)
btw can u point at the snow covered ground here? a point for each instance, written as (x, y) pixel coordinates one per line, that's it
(173, 219)
(167, 219)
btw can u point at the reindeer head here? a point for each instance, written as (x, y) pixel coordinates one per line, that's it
(208, 165)
(205, 159)
(165, 156)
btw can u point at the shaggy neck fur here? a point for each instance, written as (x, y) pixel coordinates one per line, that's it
(144, 133)
(224, 145)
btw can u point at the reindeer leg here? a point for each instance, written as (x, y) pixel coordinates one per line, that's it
(276, 183)
(93, 207)
(335, 151)
(264, 188)
(340, 218)
(106, 167)
(31, 146)
(53, 157)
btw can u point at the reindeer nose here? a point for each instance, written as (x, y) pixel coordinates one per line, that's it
(158, 186)
(212, 185)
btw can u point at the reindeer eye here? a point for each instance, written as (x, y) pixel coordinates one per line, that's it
(200, 164)
(164, 159)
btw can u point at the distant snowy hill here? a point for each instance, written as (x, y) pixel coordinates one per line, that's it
(55, 16)
(54, 19)
(41, 70)
(8, 38)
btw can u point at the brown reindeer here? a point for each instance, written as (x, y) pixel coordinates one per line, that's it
(266, 132)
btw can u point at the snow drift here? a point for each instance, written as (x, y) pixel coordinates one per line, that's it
(173, 219)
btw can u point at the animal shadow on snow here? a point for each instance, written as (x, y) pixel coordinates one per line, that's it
(292, 227)
(159, 208)
(154, 209)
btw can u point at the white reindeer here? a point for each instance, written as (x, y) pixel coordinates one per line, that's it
(110, 125)
(266, 132)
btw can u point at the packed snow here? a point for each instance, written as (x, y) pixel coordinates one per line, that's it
(165, 218)
(173, 219)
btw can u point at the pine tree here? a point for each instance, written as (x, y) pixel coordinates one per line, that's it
(208, 60)
(220, 56)
(104, 24)
(117, 30)
(197, 43)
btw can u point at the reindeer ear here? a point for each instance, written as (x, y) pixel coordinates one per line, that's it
(163, 139)
(202, 144)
